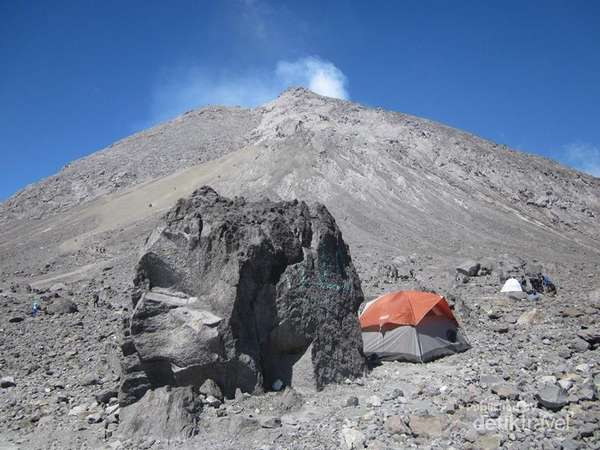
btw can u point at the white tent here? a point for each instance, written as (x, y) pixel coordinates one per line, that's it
(511, 285)
(513, 289)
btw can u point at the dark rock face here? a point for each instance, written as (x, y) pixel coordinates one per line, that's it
(237, 292)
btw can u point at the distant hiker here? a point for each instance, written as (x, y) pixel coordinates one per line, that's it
(96, 300)
(34, 309)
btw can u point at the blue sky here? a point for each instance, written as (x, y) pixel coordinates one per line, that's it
(76, 76)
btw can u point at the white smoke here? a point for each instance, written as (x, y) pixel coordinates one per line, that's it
(321, 77)
(180, 90)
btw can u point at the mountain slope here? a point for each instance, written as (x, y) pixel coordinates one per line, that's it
(395, 183)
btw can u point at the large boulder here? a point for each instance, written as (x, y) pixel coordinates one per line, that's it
(238, 292)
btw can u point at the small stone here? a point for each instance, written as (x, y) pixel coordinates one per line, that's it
(529, 318)
(429, 426)
(583, 368)
(552, 396)
(579, 345)
(212, 401)
(77, 410)
(352, 439)
(396, 425)
(500, 328)
(270, 422)
(469, 268)
(105, 396)
(488, 442)
(374, 401)
(94, 418)
(351, 401)
(242, 424)
(506, 391)
(7, 382)
(566, 383)
(89, 380)
(209, 387)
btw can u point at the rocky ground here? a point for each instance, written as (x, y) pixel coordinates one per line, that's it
(412, 198)
(531, 380)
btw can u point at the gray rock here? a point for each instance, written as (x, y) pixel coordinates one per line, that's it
(396, 425)
(506, 391)
(583, 392)
(592, 335)
(351, 401)
(78, 410)
(352, 439)
(61, 306)
(237, 292)
(212, 401)
(270, 422)
(105, 395)
(429, 426)
(530, 317)
(210, 388)
(89, 380)
(552, 396)
(94, 418)
(166, 414)
(579, 345)
(374, 401)
(469, 268)
(242, 425)
(7, 382)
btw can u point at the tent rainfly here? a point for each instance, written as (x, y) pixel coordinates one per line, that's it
(411, 326)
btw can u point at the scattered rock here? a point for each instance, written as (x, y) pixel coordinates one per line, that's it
(105, 395)
(94, 418)
(374, 401)
(270, 422)
(210, 388)
(429, 426)
(469, 268)
(396, 425)
(552, 396)
(61, 306)
(242, 425)
(351, 401)
(592, 335)
(352, 439)
(530, 317)
(506, 391)
(212, 401)
(7, 382)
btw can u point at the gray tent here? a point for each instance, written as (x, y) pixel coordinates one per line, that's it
(413, 326)
(432, 338)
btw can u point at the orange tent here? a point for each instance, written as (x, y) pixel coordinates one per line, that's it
(402, 308)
